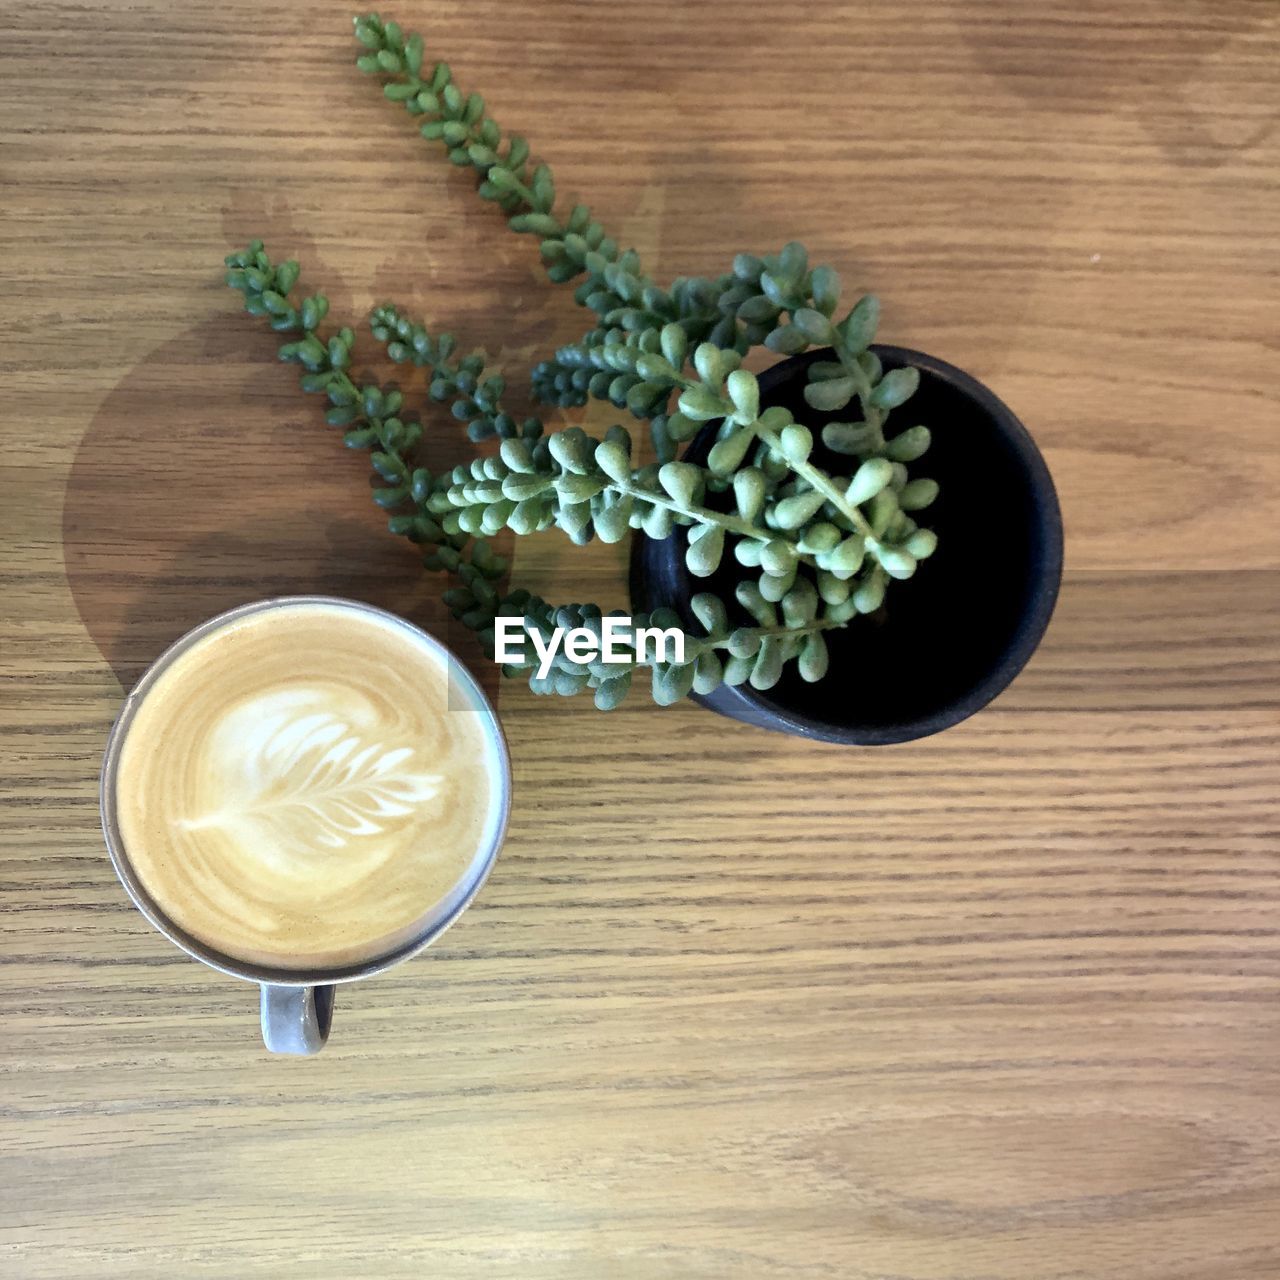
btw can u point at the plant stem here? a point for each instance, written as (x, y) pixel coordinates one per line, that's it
(701, 515)
(871, 415)
(819, 480)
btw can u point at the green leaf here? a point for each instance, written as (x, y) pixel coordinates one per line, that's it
(895, 388)
(870, 595)
(797, 443)
(768, 666)
(800, 604)
(908, 445)
(496, 516)
(841, 611)
(516, 455)
(612, 522)
(671, 685)
(786, 340)
(543, 189)
(858, 329)
(681, 428)
(869, 480)
(851, 438)
(814, 325)
(575, 488)
(681, 480)
(701, 404)
(792, 512)
(757, 309)
(895, 561)
(708, 672)
(777, 289)
(663, 446)
(778, 556)
(645, 396)
(527, 515)
(917, 494)
(833, 590)
(654, 368)
(773, 586)
(413, 53)
(675, 344)
(831, 395)
(749, 489)
(776, 418)
(821, 536)
(706, 546)
(391, 496)
(749, 597)
(538, 224)
(847, 557)
(793, 261)
(710, 611)
(814, 658)
(287, 276)
(658, 523)
(922, 543)
(825, 287)
(610, 693)
(708, 363)
(570, 449)
(744, 391)
(726, 455)
(614, 461)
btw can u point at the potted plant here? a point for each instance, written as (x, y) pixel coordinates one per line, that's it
(787, 525)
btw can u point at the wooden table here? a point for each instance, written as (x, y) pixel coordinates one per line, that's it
(1004, 1004)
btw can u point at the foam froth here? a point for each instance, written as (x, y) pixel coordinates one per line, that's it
(299, 790)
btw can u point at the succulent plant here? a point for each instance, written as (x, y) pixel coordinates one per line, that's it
(813, 549)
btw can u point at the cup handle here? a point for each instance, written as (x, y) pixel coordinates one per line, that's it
(296, 1019)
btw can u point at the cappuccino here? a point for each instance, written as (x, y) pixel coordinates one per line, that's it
(307, 787)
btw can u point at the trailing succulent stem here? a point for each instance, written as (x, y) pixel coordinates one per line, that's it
(371, 418)
(812, 546)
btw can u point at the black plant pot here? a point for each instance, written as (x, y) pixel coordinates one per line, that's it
(950, 638)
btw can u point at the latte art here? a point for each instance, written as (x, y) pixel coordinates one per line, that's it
(289, 771)
(302, 788)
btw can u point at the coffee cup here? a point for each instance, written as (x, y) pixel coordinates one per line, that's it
(304, 792)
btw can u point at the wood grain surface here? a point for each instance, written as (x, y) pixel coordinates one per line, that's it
(1002, 1005)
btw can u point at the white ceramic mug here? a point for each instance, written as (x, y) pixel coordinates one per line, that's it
(297, 1006)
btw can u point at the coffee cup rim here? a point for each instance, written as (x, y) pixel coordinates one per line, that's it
(437, 921)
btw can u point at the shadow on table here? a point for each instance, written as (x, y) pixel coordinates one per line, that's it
(206, 480)
(1182, 75)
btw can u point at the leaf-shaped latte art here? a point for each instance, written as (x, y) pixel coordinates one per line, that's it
(312, 780)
